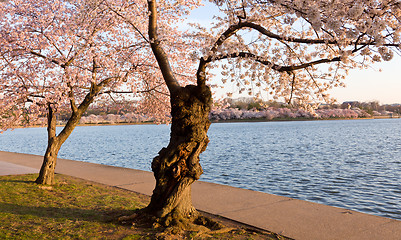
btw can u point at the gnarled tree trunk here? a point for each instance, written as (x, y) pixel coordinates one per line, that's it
(177, 166)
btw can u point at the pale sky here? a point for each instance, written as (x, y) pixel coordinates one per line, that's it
(372, 84)
(361, 85)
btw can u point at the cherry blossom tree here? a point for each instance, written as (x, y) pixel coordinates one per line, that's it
(296, 50)
(58, 55)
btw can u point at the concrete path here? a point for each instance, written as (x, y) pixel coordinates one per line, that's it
(293, 218)
(14, 169)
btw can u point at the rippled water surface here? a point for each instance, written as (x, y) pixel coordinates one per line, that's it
(350, 164)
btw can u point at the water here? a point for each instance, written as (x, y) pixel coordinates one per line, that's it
(350, 164)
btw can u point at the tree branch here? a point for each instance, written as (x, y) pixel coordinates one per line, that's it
(128, 21)
(44, 57)
(274, 66)
(72, 99)
(51, 122)
(292, 87)
(158, 51)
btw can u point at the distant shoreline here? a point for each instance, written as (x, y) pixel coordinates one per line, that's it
(299, 119)
(223, 121)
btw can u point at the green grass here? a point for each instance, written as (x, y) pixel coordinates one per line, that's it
(71, 209)
(78, 209)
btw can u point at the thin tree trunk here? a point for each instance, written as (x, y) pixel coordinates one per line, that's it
(46, 174)
(177, 166)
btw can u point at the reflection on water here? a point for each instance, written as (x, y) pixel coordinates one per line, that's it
(349, 164)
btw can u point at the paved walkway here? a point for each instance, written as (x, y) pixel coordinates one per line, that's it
(290, 217)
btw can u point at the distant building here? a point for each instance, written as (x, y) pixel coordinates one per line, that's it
(349, 104)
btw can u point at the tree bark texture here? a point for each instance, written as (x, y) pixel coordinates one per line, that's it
(46, 174)
(177, 166)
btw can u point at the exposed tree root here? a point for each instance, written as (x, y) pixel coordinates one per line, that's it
(173, 226)
(139, 218)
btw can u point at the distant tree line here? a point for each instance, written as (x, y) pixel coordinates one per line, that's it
(244, 109)
(250, 108)
(251, 103)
